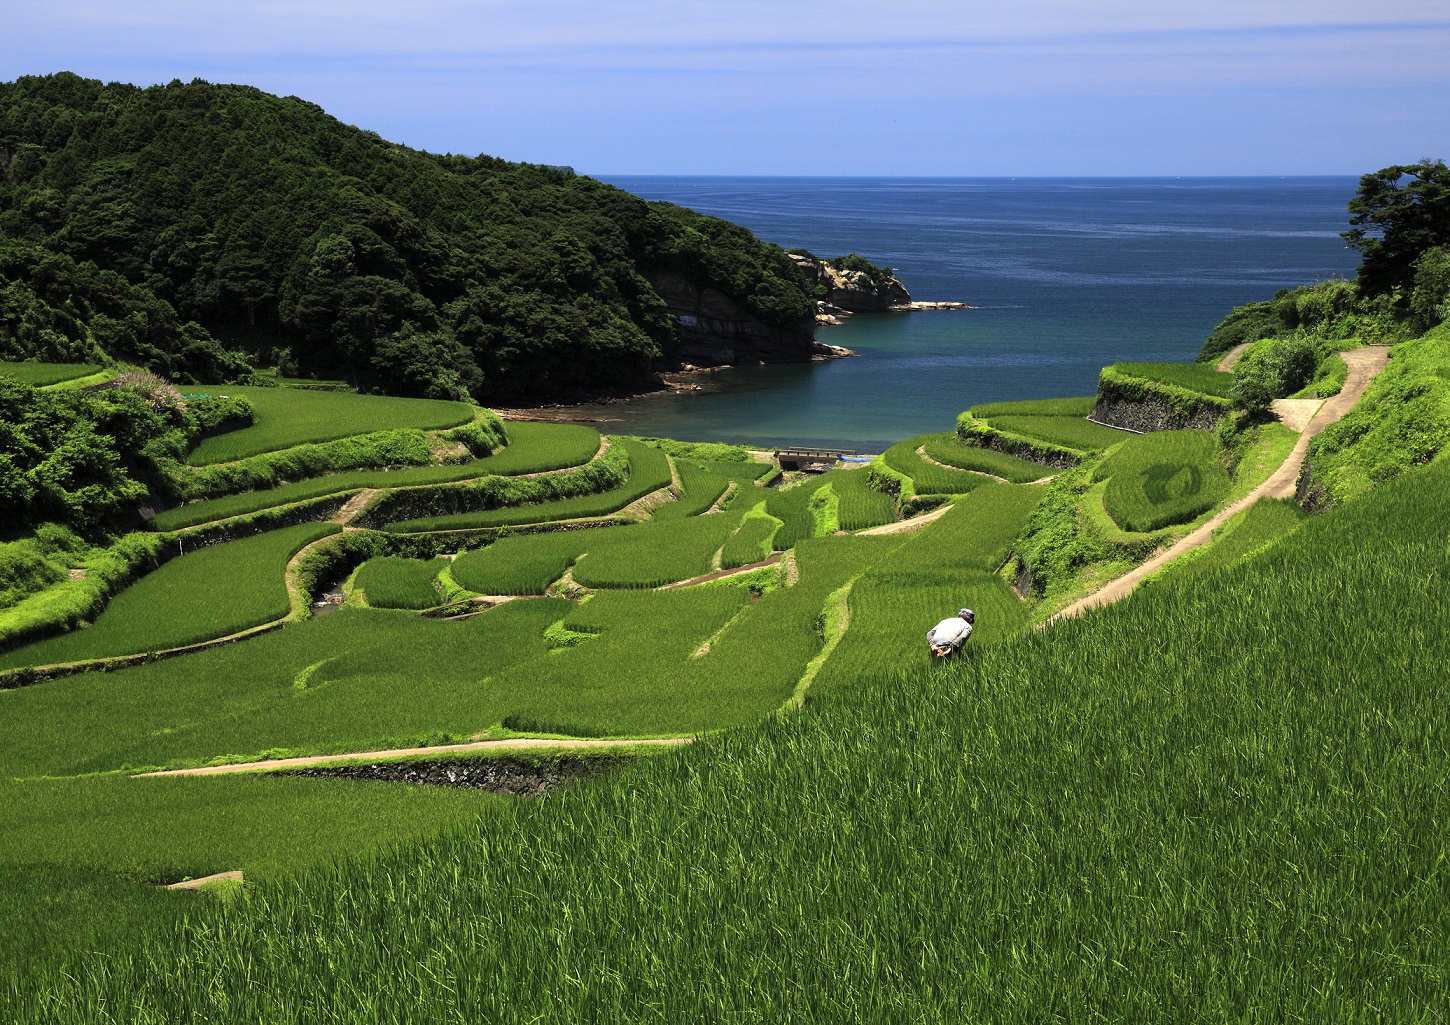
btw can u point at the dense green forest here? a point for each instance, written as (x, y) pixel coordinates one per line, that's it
(195, 229)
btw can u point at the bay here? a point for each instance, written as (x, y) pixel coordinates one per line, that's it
(1067, 274)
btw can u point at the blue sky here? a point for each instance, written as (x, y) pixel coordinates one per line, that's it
(1061, 87)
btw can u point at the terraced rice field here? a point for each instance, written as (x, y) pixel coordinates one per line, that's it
(201, 595)
(1077, 407)
(947, 566)
(649, 472)
(945, 448)
(1199, 377)
(1070, 432)
(38, 375)
(929, 478)
(389, 582)
(532, 448)
(285, 417)
(1161, 479)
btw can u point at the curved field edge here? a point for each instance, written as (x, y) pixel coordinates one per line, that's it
(888, 849)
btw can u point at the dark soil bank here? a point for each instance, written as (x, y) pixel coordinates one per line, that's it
(500, 775)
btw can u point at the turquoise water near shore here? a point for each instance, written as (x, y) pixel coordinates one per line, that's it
(1068, 275)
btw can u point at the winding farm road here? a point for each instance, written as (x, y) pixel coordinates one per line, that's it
(1363, 364)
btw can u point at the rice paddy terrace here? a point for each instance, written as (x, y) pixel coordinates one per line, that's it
(353, 578)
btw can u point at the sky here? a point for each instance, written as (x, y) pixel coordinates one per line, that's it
(810, 87)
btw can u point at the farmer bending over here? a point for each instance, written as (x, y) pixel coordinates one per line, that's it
(950, 634)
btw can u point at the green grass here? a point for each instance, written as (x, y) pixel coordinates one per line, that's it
(751, 541)
(1199, 377)
(945, 448)
(649, 471)
(792, 506)
(38, 375)
(355, 680)
(1161, 805)
(532, 448)
(1070, 432)
(1160, 479)
(861, 506)
(522, 565)
(929, 478)
(946, 566)
(654, 553)
(285, 417)
(389, 582)
(203, 594)
(699, 489)
(640, 673)
(1080, 406)
(1263, 523)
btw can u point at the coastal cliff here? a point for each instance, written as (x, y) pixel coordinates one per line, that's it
(852, 284)
(715, 330)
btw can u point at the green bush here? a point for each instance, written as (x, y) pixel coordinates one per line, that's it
(1272, 369)
(1402, 421)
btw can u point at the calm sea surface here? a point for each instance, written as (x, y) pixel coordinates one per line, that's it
(1068, 275)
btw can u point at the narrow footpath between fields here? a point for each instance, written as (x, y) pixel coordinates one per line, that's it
(1363, 364)
(507, 744)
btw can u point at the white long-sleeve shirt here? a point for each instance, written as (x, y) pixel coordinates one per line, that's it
(953, 632)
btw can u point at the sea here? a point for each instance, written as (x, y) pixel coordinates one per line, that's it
(1066, 276)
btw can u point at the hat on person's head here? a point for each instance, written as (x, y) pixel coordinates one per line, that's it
(968, 613)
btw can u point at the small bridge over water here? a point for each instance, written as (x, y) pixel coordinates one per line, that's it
(799, 458)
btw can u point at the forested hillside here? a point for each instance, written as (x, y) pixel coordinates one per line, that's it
(293, 240)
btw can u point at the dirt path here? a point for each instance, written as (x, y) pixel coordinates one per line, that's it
(906, 526)
(1226, 364)
(197, 884)
(1364, 364)
(723, 573)
(510, 744)
(354, 505)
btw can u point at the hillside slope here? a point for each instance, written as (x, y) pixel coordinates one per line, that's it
(319, 247)
(1226, 794)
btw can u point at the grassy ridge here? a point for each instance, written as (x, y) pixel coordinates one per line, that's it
(201, 595)
(532, 448)
(285, 417)
(1209, 821)
(1157, 480)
